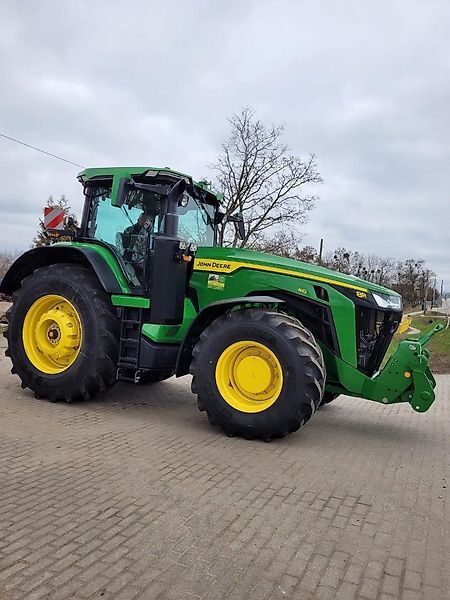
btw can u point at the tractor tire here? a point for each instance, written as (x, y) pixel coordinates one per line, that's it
(155, 376)
(257, 374)
(327, 398)
(63, 334)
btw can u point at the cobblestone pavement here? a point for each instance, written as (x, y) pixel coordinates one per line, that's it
(134, 495)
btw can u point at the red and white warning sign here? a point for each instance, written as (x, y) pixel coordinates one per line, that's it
(53, 217)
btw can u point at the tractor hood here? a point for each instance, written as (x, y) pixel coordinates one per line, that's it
(239, 258)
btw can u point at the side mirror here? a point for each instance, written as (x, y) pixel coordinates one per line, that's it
(218, 218)
(240, 229)
(239, 225)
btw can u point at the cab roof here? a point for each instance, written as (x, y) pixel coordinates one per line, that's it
(90, 173)
(128, 172)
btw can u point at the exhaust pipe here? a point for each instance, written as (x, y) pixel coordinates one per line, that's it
(171, 217)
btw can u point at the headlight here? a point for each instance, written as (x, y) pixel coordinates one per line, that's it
(387, 301)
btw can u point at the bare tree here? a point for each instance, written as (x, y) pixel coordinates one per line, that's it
(385, 271)
(411, 278)
(411, 282)
(339, 260)
(282, 243)
(357, 263)
(288, 245)
(308, 254)
(6, 260)
(261, 180)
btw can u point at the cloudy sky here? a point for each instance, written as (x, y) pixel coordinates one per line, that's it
(363, 85)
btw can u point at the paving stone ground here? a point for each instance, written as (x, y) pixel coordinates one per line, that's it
(134, 495)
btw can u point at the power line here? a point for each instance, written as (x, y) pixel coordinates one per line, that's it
(40, 150)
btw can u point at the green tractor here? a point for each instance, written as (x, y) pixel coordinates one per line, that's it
(140, 292)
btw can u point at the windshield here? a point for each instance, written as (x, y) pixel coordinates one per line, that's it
(196, 222)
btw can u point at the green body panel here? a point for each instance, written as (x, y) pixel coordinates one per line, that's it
(300, 279)
(130, 301)
(171, 334)
(247, 281)
(307, 271)
(108, 256)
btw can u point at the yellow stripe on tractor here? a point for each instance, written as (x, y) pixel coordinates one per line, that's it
(230, 266)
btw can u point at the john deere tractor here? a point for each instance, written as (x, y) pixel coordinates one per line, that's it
(140, 292)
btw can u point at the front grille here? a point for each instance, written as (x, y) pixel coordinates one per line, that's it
(374, 331)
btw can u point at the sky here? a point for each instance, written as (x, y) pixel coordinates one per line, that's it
(363, 85)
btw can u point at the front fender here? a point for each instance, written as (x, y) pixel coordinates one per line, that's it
(206, 316)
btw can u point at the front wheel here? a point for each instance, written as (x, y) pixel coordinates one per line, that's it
(257, 373)
(63, 334)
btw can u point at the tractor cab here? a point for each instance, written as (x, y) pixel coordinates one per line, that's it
(127, 210)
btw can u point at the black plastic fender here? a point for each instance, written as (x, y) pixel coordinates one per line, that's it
(205, 317)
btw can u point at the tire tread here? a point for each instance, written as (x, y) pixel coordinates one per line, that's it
(304, 344)
(101, 371)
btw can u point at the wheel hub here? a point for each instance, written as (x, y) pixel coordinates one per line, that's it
(52, 334)
(249, 376)
(253, 375)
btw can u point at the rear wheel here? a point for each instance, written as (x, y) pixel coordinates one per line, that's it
(328, 397)
(258, 374)
(63, 335)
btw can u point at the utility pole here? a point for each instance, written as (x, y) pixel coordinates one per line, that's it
(320, 251)
(424, 301)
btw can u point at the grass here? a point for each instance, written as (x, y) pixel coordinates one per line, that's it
(439, 346)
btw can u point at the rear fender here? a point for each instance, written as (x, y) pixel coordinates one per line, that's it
(43, 256)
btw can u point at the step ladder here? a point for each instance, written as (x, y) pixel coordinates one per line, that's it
(130, 336)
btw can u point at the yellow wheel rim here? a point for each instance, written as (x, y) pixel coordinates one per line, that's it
(249, 376)
(52, 334)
